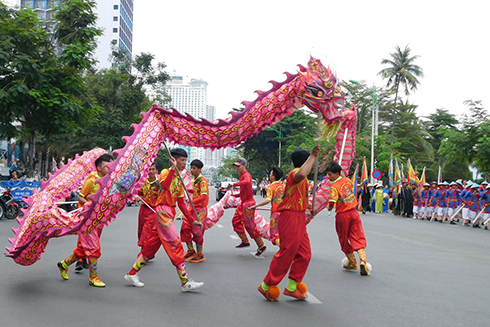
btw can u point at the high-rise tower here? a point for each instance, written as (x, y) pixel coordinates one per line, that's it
(114, 17)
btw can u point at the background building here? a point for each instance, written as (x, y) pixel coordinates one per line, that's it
(114, 17)
(191, 97)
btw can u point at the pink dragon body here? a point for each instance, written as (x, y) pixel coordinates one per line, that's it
(315, 87)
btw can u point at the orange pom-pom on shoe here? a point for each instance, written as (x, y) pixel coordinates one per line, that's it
(302, 287)
(274, 291)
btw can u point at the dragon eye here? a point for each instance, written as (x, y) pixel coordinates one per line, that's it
(315, 91)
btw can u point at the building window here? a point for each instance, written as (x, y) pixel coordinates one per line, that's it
(114, 18)
(114, 30)
(116, 7)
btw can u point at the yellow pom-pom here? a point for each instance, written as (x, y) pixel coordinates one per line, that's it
(302, 287)
(274, 291)
(278, 243)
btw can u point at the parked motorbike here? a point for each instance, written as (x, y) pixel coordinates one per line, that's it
(8, 206)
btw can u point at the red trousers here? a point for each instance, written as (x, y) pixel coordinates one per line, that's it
(146, 221)
(349, 230)
(88, 245)
(294, 250)
(190, 232)
(238, 221)
(164, 233)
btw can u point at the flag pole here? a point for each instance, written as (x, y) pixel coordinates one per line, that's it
(316, 162)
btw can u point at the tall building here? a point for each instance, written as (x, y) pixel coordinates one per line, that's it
(191, 97)
(114, 17)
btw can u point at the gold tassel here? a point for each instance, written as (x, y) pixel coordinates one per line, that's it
(329, 131)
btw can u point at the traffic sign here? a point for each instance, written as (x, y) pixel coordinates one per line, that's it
(376, 174)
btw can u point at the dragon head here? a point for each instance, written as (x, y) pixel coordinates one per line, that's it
(321, 91)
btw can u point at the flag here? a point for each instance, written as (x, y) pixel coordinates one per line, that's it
(439, 176)
(364, 175)
(402, 176)
(390, 172)
(411, 176)
(398, 177)
(354, 181)
(422, 178)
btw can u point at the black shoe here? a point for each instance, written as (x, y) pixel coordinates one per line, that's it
(85, 264)
(452, 222)
(260, 251)
(363, 212)
(440, 221)
(79, 266)
(486, 228)
(242, 245)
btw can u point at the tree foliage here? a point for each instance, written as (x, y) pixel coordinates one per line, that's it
(41, 77)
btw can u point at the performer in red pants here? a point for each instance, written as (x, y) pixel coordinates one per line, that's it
(294, 249)
(172, 192)
(149, 193)
(200, 199)
(243, 218)
(347, 220)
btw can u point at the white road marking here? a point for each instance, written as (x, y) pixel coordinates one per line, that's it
(219, 225)
(234, 237)
(312, 299)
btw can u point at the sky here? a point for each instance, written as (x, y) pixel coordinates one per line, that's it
(238, 46)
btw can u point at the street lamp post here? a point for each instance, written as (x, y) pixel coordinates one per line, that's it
(279, 134)
(374, 130)
(374, 126)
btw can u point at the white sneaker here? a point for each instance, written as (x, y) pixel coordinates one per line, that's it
(191, 286)
(134, 279)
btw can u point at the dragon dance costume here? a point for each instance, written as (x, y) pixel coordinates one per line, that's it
(348, 224)
(294, 249)
(243, 217)
(164, 232)
(146, 218)
(190, 232)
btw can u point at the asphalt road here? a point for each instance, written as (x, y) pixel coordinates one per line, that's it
(424, 274)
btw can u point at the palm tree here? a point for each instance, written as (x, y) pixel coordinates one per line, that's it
(403, 71)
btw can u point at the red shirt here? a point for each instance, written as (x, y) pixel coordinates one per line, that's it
(295, 194)
(341, 193)
(89, 186)
(149, 191)
(275, 192)
(174, 191)
(200, 196)
(246, 187)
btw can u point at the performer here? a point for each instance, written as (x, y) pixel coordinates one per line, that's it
(200, 199)
(424, 201)
(242, 217)
(164, 232)
(473, 200)
(88, 245)
(441, 202)
(416, 202)
(464, 201)
(431, 207)
(149, 193)
(294, 249)
(452, 196)
(347, 220)
(275, 192)
(485, 202)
